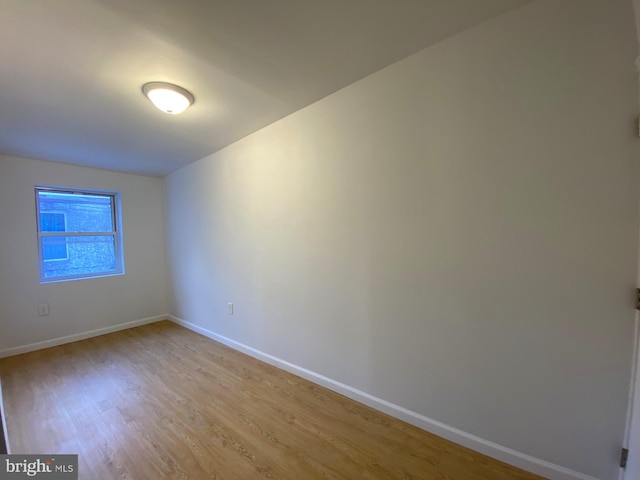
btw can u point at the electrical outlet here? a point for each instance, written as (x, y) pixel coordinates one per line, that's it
(230, 308)
(43, 309)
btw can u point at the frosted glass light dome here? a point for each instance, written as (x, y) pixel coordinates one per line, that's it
(167, 97)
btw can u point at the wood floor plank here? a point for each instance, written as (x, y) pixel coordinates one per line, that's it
(160, 401)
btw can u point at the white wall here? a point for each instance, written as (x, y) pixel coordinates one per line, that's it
(84, 305)
(455, 234)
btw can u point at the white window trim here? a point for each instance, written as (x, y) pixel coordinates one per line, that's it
(116, 213)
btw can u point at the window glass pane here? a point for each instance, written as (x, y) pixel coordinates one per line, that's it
(52, 222)
(54, 248)
(82, 212)
(85, 255)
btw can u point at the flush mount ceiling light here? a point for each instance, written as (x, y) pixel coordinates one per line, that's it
(168, 97)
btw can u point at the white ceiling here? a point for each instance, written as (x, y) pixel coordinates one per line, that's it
(72, 70)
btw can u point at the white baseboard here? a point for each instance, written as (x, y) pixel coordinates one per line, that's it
(486, 447)
(9, 352)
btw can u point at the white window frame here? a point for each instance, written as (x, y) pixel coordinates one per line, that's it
(116, 233)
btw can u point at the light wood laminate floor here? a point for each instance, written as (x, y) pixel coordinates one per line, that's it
(160, 401)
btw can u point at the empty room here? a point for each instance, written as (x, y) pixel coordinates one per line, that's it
(356, 239)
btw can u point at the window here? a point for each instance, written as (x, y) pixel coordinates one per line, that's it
(79, 234)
